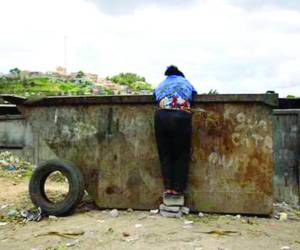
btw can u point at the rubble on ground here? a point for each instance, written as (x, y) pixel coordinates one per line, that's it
(12, 163)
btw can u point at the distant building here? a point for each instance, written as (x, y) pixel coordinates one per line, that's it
(91, 77)
(35, 73)
(61, 71)
(115, 87)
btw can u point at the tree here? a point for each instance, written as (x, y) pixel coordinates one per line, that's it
(213, 92)
(132, 80)
(15, 71)
(80, 74)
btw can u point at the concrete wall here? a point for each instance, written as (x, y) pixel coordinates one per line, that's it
(16, 136)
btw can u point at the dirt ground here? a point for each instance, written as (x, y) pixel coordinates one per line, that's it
(96, 229)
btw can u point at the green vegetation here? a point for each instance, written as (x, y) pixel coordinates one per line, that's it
(41, 86)
(24, 84)
(131, 80)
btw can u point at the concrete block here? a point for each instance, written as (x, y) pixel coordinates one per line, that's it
(173, 200)
(173, 209)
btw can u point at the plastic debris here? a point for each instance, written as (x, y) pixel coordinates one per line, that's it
(283, 216)
(72, 243)
(200, 214)
(3, 223)
(129, 239)
(188, 222)
(13, 163)
(114, 213)
(129, 210)
(10, 167)
(138, 225)
(12, 212)
(154, 211)
(238, 216)
(30, 215)
(285, 248)
(4, 206)
(52, 217)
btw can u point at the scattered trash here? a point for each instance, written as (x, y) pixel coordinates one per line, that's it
(67, 234)
(188, 222)
(114, 213)
(10, 167)
(12, 212)
(101, 221)
(30, 215)
(154, 211)
(12, 163)
(4, 206)
(72, 243)
(283, 216)
(238, 216)
(3, 223)
(138, 225)
(185, 210)
(218, 232)
(129, 210)
(129, 239)
(125, 234)
(285, 248)
(200, 214)
(52, 217)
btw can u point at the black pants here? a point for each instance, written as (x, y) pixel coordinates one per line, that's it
(173, 136)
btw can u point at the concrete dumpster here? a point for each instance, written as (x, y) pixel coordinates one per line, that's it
(111, 139)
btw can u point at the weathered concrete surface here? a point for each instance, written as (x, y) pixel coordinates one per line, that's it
(114, 145)
(17, 137)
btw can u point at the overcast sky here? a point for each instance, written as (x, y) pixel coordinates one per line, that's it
(234, 46)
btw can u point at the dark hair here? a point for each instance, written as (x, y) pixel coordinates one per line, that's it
(173, 70)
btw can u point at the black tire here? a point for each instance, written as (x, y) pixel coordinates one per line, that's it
(37, 187)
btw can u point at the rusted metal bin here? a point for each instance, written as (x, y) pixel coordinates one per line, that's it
(111, 139)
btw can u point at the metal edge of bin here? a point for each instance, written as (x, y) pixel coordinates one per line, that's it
(268, 99)
(285, 111)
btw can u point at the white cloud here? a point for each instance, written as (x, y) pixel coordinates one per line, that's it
(223, 46)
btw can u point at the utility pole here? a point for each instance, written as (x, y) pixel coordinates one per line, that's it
(65, 53)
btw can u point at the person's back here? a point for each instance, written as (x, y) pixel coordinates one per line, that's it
(175, 91)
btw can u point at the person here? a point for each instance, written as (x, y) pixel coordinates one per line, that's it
(173, 128)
